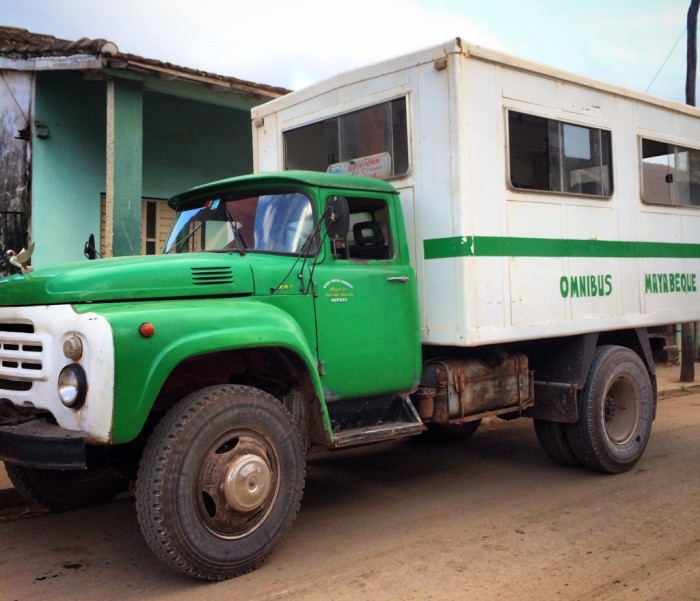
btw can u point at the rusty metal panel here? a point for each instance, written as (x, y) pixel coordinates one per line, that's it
(454, 390)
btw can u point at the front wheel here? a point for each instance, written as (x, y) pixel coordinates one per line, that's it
(616, 409)
(220, 482)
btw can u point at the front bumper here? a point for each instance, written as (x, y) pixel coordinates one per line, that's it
(38, 443)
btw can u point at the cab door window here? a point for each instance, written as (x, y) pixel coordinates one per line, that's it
(369, 235)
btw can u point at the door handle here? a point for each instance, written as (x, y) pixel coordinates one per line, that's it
(399, 279)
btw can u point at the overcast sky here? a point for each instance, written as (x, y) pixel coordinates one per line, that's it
(292, 43)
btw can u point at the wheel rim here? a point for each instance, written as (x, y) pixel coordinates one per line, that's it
(236, 484)
(621, 411)
(247, 482)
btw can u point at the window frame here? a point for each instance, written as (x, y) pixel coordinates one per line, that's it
(407, 136)
(248, 193)
(164, 217)
(359, 203)
(561, 123)
(676, 147)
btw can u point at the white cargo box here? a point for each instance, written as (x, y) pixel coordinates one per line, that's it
(537, 203)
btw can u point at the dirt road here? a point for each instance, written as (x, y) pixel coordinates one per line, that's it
(488, 518)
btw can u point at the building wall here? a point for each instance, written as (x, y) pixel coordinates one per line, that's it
(16, 93)
(185, 143)
(68, 166)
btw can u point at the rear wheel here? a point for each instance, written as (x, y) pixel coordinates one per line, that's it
(220, 482)
(554, 441)
(616, 409)
(60, 490)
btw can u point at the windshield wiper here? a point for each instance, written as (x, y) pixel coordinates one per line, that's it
(179, 245)
(238, 238)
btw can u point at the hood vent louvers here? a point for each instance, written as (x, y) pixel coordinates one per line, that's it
(210, 276)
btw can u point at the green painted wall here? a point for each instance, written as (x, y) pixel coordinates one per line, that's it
(187, 143)
(184, 143)
(68, 168)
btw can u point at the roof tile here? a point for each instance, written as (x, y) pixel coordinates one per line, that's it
(17, 43)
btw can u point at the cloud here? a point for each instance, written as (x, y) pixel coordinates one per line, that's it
(292, 44)
(297, 43)
(613, 42)
(278, 42)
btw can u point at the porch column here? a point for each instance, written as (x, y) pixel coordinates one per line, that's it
(124, 168)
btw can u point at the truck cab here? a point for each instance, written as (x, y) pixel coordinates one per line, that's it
(282, 315)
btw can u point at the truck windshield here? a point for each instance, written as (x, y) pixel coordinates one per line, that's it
(280, 223)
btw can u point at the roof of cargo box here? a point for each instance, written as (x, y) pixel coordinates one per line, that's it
(456, 46)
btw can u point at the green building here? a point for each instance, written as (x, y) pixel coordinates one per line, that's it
(93, 141)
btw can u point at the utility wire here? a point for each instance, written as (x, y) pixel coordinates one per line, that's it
(680, 37)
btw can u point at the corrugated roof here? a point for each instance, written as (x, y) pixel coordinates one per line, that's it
(22, 45)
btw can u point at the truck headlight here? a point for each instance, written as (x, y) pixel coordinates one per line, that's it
(72, 386)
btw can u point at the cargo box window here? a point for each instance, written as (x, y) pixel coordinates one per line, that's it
(372, 142)
(670, 174)
(554, 156)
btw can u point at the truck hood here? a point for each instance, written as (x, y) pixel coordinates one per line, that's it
(131, 278)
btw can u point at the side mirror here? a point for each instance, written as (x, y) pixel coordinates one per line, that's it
(336, 217)
(90, 250)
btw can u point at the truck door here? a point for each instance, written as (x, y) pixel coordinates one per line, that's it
(366, 307)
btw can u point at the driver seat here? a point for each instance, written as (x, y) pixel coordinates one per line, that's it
(369, 241)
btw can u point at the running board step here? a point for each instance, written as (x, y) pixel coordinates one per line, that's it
(400, 419)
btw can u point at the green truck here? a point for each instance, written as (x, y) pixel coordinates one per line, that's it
(282, 317)
(442, 238)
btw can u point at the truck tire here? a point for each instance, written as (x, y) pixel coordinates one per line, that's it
(220, 482)
(616, 409)
(554, 441)
(59, 490)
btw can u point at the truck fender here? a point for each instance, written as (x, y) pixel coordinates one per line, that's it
(184, 331)
(562, 365)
